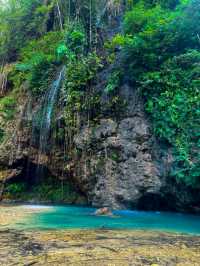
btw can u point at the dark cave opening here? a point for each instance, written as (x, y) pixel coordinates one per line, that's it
(37, 184)
(30, 172)
(155, 202)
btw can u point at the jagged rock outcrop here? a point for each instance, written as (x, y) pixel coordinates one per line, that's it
(117, 165)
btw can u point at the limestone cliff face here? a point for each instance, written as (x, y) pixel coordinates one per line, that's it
(120, 169)
(117, 163)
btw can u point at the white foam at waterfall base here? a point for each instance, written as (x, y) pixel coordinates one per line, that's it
(37, 207)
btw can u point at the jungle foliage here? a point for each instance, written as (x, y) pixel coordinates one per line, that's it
(161, 48)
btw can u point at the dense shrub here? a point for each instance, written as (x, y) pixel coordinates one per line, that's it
(15, 189)
(7, 107)
(38, 62)
(20, 22)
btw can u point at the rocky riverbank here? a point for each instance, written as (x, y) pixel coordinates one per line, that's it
(91, 247)
(98, 247)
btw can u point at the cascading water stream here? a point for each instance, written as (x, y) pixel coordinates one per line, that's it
(47, 112)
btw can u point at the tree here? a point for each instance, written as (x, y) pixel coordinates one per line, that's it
(21, 21)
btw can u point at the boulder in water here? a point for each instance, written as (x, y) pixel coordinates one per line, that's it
(103, 211)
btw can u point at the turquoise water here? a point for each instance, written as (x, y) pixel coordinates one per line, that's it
(59, 217)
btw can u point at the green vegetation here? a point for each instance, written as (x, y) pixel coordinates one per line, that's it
(38, 62)
(113, 82)
(7, 107)
(162, 56)
(80, 72)
(20, 22)
(15, 189)
(50, 190)
(174, 103)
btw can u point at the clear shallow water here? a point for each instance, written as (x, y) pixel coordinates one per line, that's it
(68, 217)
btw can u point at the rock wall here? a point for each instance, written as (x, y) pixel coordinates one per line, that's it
(117, 164)
(116, 161)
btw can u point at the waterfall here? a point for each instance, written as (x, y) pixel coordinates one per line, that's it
(48, 105)
(112, 6)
